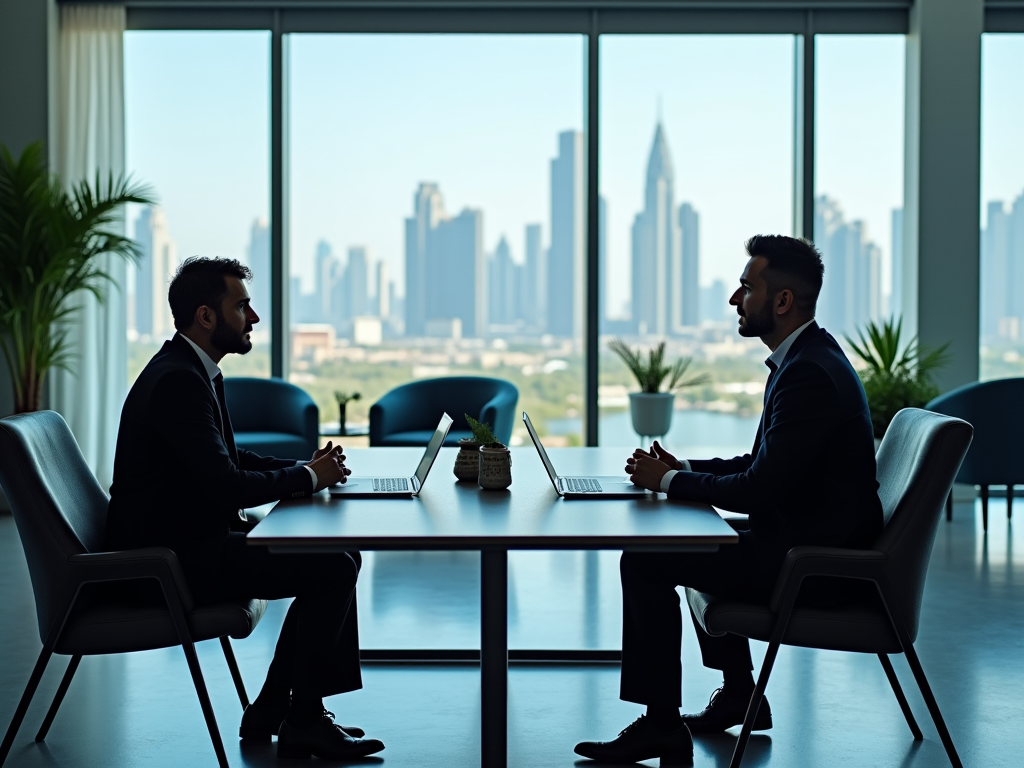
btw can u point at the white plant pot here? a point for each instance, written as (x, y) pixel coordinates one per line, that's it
(651, 412)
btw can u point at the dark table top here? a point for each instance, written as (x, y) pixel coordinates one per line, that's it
(449, 515)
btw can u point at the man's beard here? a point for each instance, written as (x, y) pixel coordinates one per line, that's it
(227, 340)
(760, 323)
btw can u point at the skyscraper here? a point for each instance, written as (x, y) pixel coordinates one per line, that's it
(458, 272)
(153, 274)
(535, 282)
(565, 256)
(852, 292)
(428, 211)
(657, 268)
(357, 282)
(503, 286)
(384, 290)
(258, 259)
(1000, 318)
(445, 267)
(327, 274)
(689, 232)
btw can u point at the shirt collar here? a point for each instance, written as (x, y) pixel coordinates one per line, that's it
(775, 358)
(212, 369)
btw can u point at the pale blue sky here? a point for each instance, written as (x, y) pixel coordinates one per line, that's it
(373, 115)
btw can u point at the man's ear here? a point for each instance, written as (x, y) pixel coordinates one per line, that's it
(206, 317)
(785, 302)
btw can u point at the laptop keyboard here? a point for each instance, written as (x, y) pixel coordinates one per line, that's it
(390, 484)
(582, 485)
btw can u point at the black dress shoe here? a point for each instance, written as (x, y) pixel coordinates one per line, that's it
(642, 740)
(725, 710)
(261, 723)
(325, 740)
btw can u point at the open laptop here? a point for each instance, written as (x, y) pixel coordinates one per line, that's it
(584, 487)
(396, 487)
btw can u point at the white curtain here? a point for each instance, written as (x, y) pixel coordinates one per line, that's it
(90, 140)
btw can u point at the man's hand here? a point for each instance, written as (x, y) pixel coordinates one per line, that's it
(646, 471)
(656, 452)
(324, 451)
(329, 466)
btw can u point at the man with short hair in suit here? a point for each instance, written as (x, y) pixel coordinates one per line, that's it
(180, 482)
(810, 479)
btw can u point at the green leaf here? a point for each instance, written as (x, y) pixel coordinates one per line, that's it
(481, 432)
(651, 374)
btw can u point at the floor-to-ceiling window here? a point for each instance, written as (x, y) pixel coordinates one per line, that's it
(197, 122)
(696, 156)
(1002, 206)
(858, 196)
(437, 216)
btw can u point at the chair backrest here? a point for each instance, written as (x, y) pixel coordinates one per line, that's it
(270, 405)
(59, 507)
(418, 405)
(917, 461)
(996, 411)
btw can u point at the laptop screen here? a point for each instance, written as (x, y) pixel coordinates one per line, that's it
(432, 448)
(540, 449)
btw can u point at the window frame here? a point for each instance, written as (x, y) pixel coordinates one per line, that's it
(589, 18)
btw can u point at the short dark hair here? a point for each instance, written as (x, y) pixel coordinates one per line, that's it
(793, 263)
(199, 282)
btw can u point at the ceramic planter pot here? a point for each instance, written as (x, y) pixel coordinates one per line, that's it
(467, 462)
(495, 467)
(651, 412)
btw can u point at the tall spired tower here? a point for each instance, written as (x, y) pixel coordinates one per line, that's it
(657, 247)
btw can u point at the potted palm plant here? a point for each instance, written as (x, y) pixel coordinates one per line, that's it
(651, 408)
(895, 375)
(51, 239)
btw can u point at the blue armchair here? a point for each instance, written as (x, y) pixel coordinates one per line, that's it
(996, 457)
(272, 417)
(408, 415)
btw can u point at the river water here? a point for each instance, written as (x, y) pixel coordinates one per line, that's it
(701, 434)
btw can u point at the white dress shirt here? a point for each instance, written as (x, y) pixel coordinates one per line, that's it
(773, 361)
(213, 371)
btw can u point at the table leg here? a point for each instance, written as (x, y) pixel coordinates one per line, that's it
(494, 658)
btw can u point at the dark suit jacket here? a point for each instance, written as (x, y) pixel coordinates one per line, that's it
(810, 477)
(175, 483)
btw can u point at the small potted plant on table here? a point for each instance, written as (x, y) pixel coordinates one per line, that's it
(343, 399)
(651, 408)
(494, 461)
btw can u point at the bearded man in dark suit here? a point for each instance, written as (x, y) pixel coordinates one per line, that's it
(180, 482)
(809, 479)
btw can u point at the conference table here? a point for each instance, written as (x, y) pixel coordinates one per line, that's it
(448, 515)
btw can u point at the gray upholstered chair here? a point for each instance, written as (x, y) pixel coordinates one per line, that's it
(61, 512)
(917, 461)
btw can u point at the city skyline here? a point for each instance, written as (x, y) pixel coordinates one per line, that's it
(454, 288)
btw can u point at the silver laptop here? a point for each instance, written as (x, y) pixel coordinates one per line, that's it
(584, 487)
(397, 487)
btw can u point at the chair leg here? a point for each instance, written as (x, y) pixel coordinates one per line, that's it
(1009, 500)
(26, 699)
(949, 505)
(62, 689)
(204, 701)
(229, 655)
(900, 696)
(984, 507)
(933, 707)
(755, 704)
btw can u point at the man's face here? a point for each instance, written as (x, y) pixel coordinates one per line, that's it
(235, 319)
(753, 304)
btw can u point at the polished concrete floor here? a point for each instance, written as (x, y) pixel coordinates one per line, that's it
(830, 709)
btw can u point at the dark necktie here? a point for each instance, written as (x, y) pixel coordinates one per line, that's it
(225, 427)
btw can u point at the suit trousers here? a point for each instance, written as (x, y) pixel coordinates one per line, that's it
(652, 625)
(317, 653)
